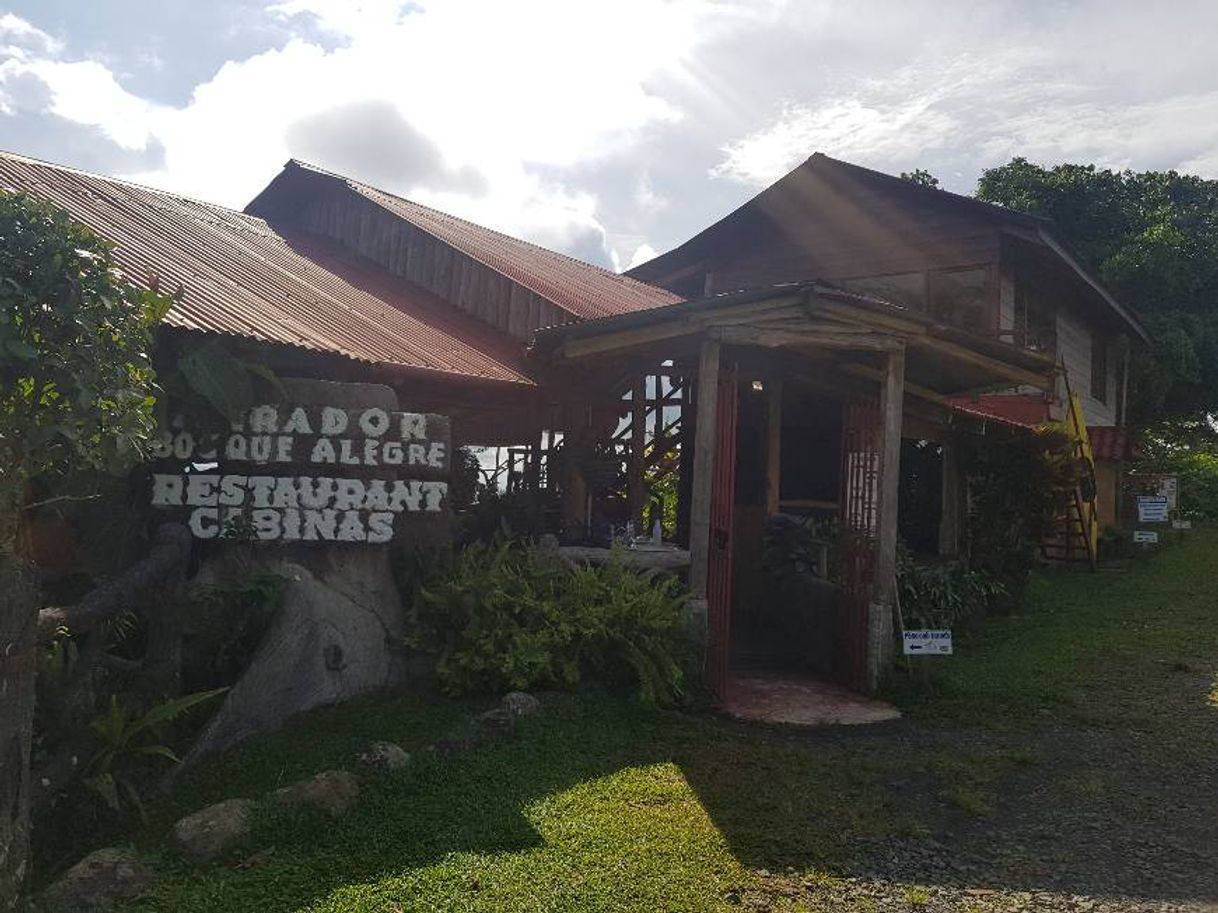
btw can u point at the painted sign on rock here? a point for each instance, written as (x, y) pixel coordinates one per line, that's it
(306, 473)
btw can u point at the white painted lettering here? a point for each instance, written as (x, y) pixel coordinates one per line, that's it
(201, 490)
(297, 423)
(333, 421)
(166, 490)
(374, 422)
(380, 527)
(205, 522)
(323, 451)
(264, 420)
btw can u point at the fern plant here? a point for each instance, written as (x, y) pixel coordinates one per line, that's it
(508, 617)
(125, 741)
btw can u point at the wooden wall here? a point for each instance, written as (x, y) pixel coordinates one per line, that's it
(1074, 341)
(371, 231)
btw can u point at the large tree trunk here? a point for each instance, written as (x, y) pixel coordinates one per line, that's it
(18, 621)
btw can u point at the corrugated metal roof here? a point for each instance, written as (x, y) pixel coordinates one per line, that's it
(243, 278)
(579, 288)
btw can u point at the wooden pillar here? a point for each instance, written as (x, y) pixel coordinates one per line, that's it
(949, 513)
(704, 455)
(880, 627)
(773, 473)
(685, 465)
(636, 493)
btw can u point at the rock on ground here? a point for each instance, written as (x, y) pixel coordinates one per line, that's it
(210, 832)
(519, 704)
(495, 726)
(98, 881)
(331, 791)
(382, 758)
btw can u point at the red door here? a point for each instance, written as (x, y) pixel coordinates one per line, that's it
(860, 490)
(719, 564)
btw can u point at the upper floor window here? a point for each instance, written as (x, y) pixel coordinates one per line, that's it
(1099, 368)
(1035, 320)
(906, 289)
(963, 298)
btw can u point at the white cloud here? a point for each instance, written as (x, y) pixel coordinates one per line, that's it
(639, 122)
(86, 92)
(19, 38)
(501, 89)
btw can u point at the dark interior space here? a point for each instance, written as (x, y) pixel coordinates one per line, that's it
(784, 613)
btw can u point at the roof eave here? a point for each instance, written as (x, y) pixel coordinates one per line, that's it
(1128, 318)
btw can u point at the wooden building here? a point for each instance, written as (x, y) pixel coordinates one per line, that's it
(775, 362)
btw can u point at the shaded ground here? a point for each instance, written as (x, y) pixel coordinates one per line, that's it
(1065, 759)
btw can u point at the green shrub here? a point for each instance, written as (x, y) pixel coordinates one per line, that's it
(510, 617)
(939, 595)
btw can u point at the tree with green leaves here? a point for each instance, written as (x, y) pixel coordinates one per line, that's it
(1152, 238)
(76, 393)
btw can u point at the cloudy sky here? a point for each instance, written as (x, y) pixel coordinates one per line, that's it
(608, 130)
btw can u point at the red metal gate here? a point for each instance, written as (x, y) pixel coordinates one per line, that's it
(860, 523)
(719, 564)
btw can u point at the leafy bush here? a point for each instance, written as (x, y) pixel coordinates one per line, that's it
(1013, 482)
(115, 771)
(939, 595)
(1191, 452)
(511, 617)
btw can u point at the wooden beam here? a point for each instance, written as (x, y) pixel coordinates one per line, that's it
(949, 513)
(783, 338)
(912, 389)
(994, 366)
(678, 326)
(880, 627)
(704, 456)
(821, 307)
(635, 493)
(773, 473)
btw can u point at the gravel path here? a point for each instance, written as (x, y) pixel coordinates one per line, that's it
(1115, 811)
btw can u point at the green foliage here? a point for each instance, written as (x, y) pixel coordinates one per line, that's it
(114, 772)
(523, 513)
(920, 176)
(1189, 450)
(940, 595)
(509, 617)
(225, 626)
(1153, 238)
(212, 385)
(76, 380)
(1013, 482)
(792, 547)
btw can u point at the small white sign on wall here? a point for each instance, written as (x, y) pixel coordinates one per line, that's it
(1181, 524)
(936, 643)
(1145, 536)
(1152, 509)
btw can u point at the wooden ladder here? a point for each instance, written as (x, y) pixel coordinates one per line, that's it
(1076, 535)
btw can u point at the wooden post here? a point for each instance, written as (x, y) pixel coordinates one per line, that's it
(18, 662)
(949, 514)
(636, 495)
(773, 475)
(879, 628)
(704, 455)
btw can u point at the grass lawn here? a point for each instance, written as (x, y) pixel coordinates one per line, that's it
(1065, 752)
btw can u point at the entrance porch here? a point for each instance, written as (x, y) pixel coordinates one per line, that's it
(795, 403)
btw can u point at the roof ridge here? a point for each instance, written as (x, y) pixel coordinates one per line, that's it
(896, 181)
(357, 184)
(110, 179)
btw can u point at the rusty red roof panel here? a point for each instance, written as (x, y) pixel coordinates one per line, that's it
(242, 278)
(1014, 409)
(581, 289)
